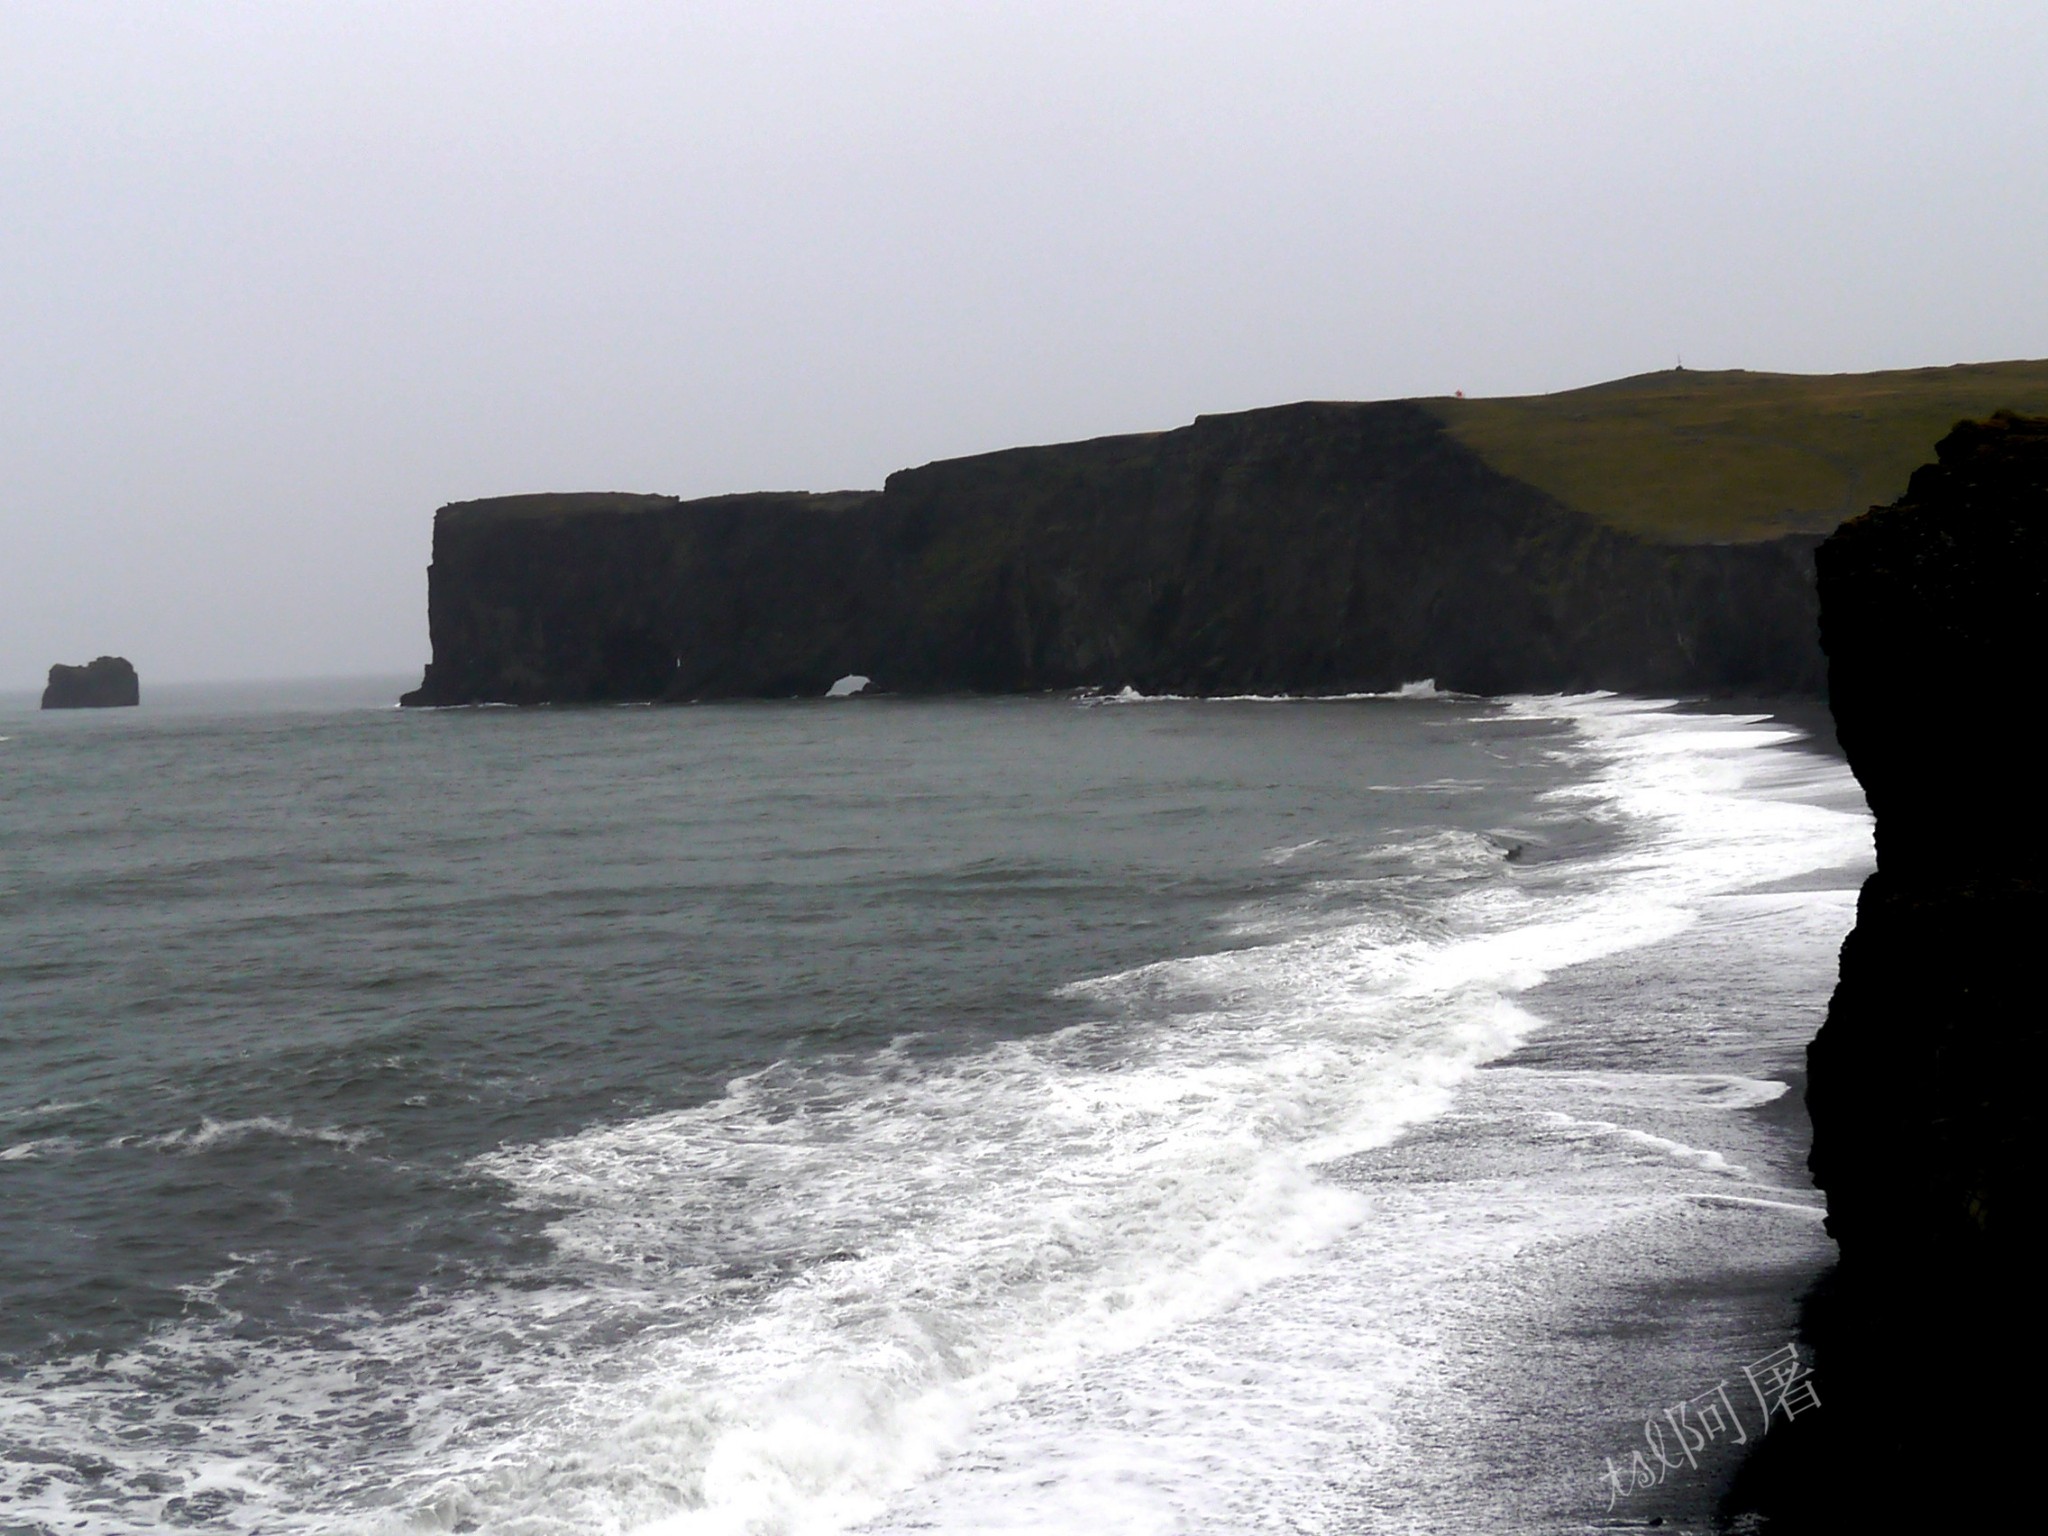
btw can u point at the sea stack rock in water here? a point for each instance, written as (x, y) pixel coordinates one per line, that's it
(1926, 1081)
(106, 683)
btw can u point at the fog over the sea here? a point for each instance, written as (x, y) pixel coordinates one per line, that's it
(278, 279)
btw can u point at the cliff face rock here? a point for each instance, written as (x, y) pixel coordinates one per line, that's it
(1932, 621)
(1301, 548)
(108, 682)
(1925, 1082)
(1931, 613)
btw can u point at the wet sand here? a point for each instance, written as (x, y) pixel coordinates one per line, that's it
(1558, 1352)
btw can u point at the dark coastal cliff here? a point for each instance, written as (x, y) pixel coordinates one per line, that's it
(1925, 1082)
(107, 682)
(1932, 614)
(1300, 548)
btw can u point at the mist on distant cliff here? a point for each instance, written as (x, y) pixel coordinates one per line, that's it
(276, 280)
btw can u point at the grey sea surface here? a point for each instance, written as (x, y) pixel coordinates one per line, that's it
(879, 1114)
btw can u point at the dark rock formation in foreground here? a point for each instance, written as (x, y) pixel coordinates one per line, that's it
(1317, 547)
(108, 682)
(1926, 1081)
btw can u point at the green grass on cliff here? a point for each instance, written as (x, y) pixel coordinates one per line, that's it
(1696, 457)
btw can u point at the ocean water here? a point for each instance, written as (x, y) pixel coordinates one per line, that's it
(878, 1115)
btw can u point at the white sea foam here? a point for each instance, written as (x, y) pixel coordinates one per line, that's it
(1093, 1280)
(1810, 1208)
(1287, 854)
(1423, 688)
(211, 1133)
(1319, 1401)
(47, 1146)
(1573, 1127)
(1657, 1090)
(43, 1111)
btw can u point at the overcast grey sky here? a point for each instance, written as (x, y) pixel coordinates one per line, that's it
(278, 279)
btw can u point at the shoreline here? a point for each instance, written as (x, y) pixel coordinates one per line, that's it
(1576, 1339)
(1581, 1338)
(1811, 716)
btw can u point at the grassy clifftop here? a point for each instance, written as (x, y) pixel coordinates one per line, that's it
(1715, 457)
